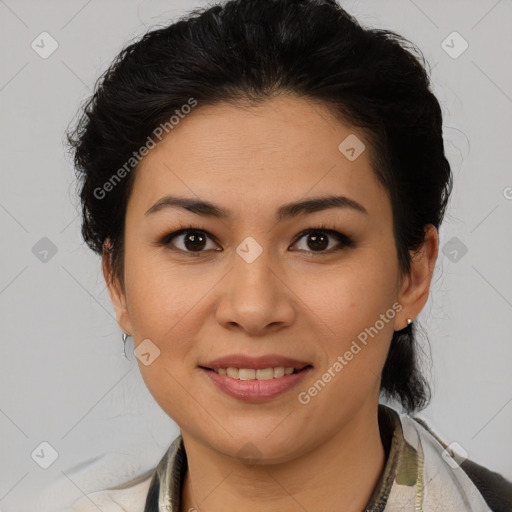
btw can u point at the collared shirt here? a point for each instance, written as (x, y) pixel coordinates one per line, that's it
(421, 474)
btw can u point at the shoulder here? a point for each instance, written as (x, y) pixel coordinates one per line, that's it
(130, 498)
(493, 487)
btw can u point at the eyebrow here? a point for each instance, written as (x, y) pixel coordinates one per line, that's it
(287, 211)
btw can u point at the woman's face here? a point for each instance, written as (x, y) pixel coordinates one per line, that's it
(247, 284)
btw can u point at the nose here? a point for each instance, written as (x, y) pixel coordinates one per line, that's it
(256, 296)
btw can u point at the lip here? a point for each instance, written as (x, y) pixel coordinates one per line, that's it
(266, 361)
(255, 390)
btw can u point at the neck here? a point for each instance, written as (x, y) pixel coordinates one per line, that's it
(340, 473)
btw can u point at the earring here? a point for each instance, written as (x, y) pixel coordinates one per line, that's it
(125, 337)
(409, 321)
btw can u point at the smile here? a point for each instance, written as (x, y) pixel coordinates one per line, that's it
(255, 384)
(255, 374)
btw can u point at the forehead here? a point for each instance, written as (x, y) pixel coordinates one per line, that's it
(282, 149)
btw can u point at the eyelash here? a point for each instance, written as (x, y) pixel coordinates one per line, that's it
(342, 238)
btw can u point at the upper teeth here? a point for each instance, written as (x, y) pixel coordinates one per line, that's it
(251, 373)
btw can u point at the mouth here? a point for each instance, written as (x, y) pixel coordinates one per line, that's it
(257, 384)
(268, 373)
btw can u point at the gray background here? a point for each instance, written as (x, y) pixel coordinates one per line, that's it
(63, 377)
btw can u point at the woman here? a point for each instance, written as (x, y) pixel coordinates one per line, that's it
(265, 180)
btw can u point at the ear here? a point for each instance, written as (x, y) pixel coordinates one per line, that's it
(415, 286)
(115, 290)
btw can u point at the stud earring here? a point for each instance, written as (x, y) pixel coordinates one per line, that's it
(409, 321)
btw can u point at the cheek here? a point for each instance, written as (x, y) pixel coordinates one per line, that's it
(164, 301)
(169, 387)
(357, 306)
(159, 294)
(355, 293)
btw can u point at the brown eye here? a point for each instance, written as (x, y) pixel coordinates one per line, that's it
(318, 240)
(194, 241)
(189, 240)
